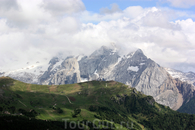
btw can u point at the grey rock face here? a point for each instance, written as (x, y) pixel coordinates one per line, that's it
(68, 73)
(187, 90)
(155, 81)
(94, 66)
(65, 73)
(128, 68)
(47, 73)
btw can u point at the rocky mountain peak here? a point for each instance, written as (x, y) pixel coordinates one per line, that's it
(102, 51)
(139, 51)
(54, 60)
(70, 63)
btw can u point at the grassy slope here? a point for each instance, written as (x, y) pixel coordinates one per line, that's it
(98, 94)
(42, 98)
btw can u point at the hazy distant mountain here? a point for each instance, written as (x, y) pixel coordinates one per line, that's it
(186, 77)
(133, 69)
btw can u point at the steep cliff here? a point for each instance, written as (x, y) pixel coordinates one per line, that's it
(68, 73)
(61, 72)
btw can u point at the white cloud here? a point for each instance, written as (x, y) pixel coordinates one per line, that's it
(87, 16)
(31, 31)
(182, 3)
(133, 11)
(62, 7)
(114, 8)
(8, 5)
(26, 15)
(159, 18)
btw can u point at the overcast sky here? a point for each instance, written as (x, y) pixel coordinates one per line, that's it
(37, 29)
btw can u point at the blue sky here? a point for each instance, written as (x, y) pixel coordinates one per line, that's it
(95, 5)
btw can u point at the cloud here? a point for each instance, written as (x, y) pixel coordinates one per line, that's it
(160, 18)
(8, 5)
(27, 14)
(114, 8)
(87, 16)
(105, 14)
(34, 31)
(133, 11)
(182, 3)
(62, 7)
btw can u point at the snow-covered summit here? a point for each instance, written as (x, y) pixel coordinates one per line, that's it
(28, 72)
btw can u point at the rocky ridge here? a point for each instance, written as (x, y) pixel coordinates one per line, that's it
(188, 77)
(133, 69)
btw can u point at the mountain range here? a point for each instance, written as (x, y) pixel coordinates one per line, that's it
(168, 87)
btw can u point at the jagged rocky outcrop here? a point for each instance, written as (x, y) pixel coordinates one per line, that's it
(186, 89)
(46, 76)
(97, 64)
(68, 73)
(65, 73)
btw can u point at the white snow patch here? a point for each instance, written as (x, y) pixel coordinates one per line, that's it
(84, 79)
(128, 83)
(142, 64)
(79, 57)
(96, 73)
(113, 51)
(133, 68)
(130, 55)
(119, 60)
(36, 69)
(57, 64)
